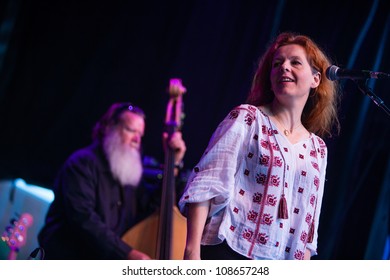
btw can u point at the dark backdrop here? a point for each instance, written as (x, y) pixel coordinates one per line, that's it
(62, 63)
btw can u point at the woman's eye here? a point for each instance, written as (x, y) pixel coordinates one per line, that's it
(296, 62)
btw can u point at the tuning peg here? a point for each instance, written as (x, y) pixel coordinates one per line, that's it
(9, 229)
(4, 237)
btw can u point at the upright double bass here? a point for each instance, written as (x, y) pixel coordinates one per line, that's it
(162, 235)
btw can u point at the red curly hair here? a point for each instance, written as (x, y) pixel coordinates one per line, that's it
(320, 111)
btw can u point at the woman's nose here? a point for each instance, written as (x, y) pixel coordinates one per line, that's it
(285, 67)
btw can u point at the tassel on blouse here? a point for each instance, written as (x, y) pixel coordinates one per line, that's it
(283, 213)
(311, 233)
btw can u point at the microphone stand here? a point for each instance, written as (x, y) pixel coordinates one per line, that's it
(363, 87)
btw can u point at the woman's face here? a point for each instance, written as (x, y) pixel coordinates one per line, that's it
(291, 73)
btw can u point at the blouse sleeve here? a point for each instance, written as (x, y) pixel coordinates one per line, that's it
(213, 177)
(322, 158)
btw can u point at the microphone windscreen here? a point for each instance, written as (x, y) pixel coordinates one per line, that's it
(331, 72)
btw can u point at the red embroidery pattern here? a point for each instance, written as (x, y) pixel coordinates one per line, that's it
(271, 200)
(299, 255)
(275, 180)
(267, 219)
(262, 238)
(278, 161)
(249, 119)
(316, 182)
(252, 109)
(270, 131)
(247, 234)
(264, 130)
(264, 160)
(303, 236)
(264, 144)
(252, 216)
(257, 197)
(308, 218)
(312, 199)
(261, 178)
(234, 114)
(315, 165)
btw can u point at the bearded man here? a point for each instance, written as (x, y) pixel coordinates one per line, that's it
(98, 192)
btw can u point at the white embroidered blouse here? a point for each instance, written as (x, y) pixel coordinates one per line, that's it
(246, 168)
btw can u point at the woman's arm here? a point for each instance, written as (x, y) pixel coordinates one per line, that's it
(196, 219)
(307, 254)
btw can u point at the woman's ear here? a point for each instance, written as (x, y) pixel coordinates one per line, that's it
(316, 80)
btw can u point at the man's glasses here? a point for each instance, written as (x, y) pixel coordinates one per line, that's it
(127, 107)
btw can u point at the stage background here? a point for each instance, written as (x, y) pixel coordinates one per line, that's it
(62, 63)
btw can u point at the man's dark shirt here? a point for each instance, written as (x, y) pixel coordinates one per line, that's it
(91, 210)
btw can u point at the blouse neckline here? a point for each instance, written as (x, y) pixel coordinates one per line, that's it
(274, 126)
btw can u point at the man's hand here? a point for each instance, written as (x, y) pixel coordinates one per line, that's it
(177, 144)
(137, 255)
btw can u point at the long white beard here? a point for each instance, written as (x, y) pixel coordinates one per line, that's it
(125, 161)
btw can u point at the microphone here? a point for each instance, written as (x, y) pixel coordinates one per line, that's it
(335, 73)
